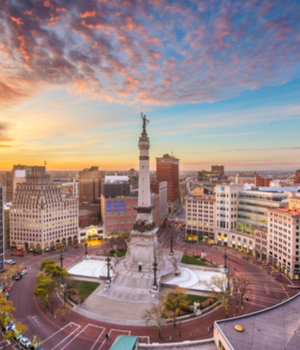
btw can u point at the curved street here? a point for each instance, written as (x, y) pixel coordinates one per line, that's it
(78, 332)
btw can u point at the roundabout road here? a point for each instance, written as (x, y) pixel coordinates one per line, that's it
(79, 332)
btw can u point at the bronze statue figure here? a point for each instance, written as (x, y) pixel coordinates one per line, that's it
(145, 121)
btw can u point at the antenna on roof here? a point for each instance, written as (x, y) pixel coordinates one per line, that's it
(45, 163)
(171, 151)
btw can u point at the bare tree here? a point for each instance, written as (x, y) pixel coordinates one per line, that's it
(242, 282)
(221, 289)
(155, 317)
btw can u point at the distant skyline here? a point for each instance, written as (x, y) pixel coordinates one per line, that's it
(219, 81)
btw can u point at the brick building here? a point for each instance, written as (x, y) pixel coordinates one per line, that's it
(90, 185)
(167, 169)
(119, 214)
(261, 182)
(216, 173)
(297, 177)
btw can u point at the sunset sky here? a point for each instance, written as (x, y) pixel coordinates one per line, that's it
(219, 81)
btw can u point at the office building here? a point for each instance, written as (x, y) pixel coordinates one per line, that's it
(40, 219)
(200, 215)
(253, 208)
(245, 178)
(167, 169)
(284, 236)
(2, 234)
(119, 213)
(113, 186)
(90, 185)
(17, 175)
(161, 188)
(216, 174)
(297, 177)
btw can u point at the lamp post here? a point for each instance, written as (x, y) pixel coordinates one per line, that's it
(51, 301)
(85, 246)
(171, 251)
(61, 258)
(155, 286)
(225, 256)
(108, 279)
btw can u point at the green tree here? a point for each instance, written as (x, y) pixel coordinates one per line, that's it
(155, 317)
(221, 289)
(9, 273)
(50, 268)
(6, 309)
(36, 341)
(6, 315)
(44, 288)
(174, 301)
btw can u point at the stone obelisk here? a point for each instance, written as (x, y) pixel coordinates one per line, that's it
(143, 244)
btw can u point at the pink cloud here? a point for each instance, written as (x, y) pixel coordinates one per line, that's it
(157, 51)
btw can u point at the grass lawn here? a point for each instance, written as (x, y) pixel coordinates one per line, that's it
(86, 288)
(186, 259)
(119, 254)
(192, 298)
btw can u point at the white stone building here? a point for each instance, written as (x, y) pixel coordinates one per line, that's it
(200, 215)
(40, 219)
(284, 236)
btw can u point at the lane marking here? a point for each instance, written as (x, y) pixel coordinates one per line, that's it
(115, 330)
(66, 337)
(89, 324)
(68, 325)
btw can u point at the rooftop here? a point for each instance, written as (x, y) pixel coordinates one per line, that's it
(277, 327)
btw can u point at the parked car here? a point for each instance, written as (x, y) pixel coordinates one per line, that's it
(17, 336)
(10, 262)
(25, 342)
(23, 272)
(36, 348)
(20, 254)
(19, 276)
(9, 287)
(10, 326)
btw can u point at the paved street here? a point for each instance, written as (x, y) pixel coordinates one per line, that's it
(78, 331)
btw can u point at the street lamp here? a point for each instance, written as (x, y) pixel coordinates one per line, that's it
(85, 245)
(225, 256)
(108, 279)
(171, 251)
(155, 286)
(51, 301)
(61, 258)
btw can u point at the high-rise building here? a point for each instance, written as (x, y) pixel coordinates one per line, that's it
(17, 175)
(253, 208)
(161, 188)
(40, 219)
(200, 215)
(167, 169)
(284, 236)
(2, 235)
(90, 185)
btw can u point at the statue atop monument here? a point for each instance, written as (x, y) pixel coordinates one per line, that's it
(145, 122)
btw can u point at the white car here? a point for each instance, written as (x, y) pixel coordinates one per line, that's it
(25, 342)
(23, 272)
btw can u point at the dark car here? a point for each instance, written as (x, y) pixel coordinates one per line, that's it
(19, 276)
(36, 348)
